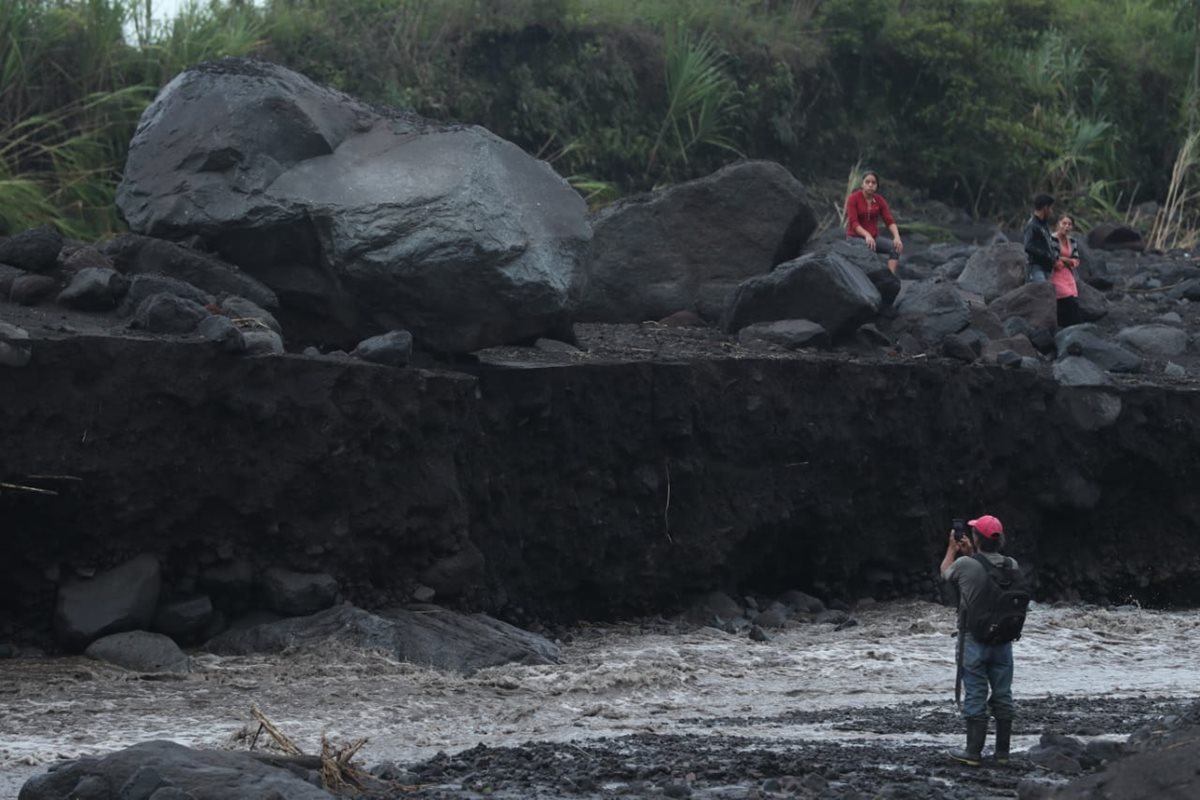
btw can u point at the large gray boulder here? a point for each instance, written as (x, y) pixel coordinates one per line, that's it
(1036, 306)
(296, 593)
(1090, 342)
(361, 221)
(828, 291)
(166, 769)
(931, 311)
(688, 247)
(120, 599)
(1155, 340)
(425, 635)
(994, 270)
(873, 265)
(140, 651)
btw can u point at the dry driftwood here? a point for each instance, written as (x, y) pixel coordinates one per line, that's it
(338, 774)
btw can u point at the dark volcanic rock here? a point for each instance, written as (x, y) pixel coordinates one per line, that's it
(296, 593)
(92, 289)
(35, 250)
(829, 291)
(158, 766)
(361, 221)
(423, 635)
(687, 248)
(119, 599)
(931, 311)
(873, 265)
(1115, 236)
(994, 271)
(29, 290)
(142, 255)
(140, 651)
(789, 333)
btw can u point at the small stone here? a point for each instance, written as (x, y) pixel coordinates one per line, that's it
(263, 342)
(29, 290)
(682, 319)
(554, 346)
(15, 355)
(393, 349)
(676, 790)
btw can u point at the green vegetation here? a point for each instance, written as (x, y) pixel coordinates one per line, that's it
(978, 102)
(72, 86)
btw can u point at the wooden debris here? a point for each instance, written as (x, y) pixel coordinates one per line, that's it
(22, 487)
(281, 739)
(338, 774)
(17, 487)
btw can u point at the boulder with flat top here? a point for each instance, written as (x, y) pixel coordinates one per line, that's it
(360, 220)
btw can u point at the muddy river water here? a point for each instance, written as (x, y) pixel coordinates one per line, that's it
(614, 681)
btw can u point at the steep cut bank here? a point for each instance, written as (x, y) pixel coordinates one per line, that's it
(585, 490)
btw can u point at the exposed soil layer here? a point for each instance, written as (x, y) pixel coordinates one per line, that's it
(661, 463)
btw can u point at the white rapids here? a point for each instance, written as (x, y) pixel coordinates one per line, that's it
(613, 680)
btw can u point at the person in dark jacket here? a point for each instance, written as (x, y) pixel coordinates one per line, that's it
(1040, 247)
(984, 666)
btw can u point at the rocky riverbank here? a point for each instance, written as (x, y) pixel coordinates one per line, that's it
(653, 708)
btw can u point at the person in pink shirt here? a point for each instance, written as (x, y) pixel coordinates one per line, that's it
(1063, 276)
(864, 208)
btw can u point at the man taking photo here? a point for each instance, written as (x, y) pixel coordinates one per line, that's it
(991, 611)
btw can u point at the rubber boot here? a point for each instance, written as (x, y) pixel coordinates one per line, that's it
(1003, 738)
(973, 753)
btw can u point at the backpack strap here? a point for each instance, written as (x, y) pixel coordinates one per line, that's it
(987, 562)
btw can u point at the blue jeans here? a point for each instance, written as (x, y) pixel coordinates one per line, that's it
(987, 665)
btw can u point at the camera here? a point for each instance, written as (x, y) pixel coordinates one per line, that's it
(960, 528)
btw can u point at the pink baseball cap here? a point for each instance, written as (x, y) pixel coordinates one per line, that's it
(988, 526)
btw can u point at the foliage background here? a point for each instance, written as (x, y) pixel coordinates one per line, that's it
(978, 103)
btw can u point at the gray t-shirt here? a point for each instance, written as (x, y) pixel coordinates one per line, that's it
(969, 576)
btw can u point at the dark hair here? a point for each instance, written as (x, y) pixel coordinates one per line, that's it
(1042, 200)
(867, 172)
(987, 544)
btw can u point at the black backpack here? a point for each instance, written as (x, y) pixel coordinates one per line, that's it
(998, 613)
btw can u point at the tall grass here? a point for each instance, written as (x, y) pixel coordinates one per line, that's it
(701, 99)
(1177, 223)
(621, 95)
(74, 78)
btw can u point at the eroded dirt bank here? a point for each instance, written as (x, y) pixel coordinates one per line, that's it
(567, 491)
(561, 490)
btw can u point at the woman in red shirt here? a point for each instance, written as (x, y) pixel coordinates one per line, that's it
(864, 208)
(1063, 277)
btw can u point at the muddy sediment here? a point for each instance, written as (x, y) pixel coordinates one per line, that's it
(657, 708)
